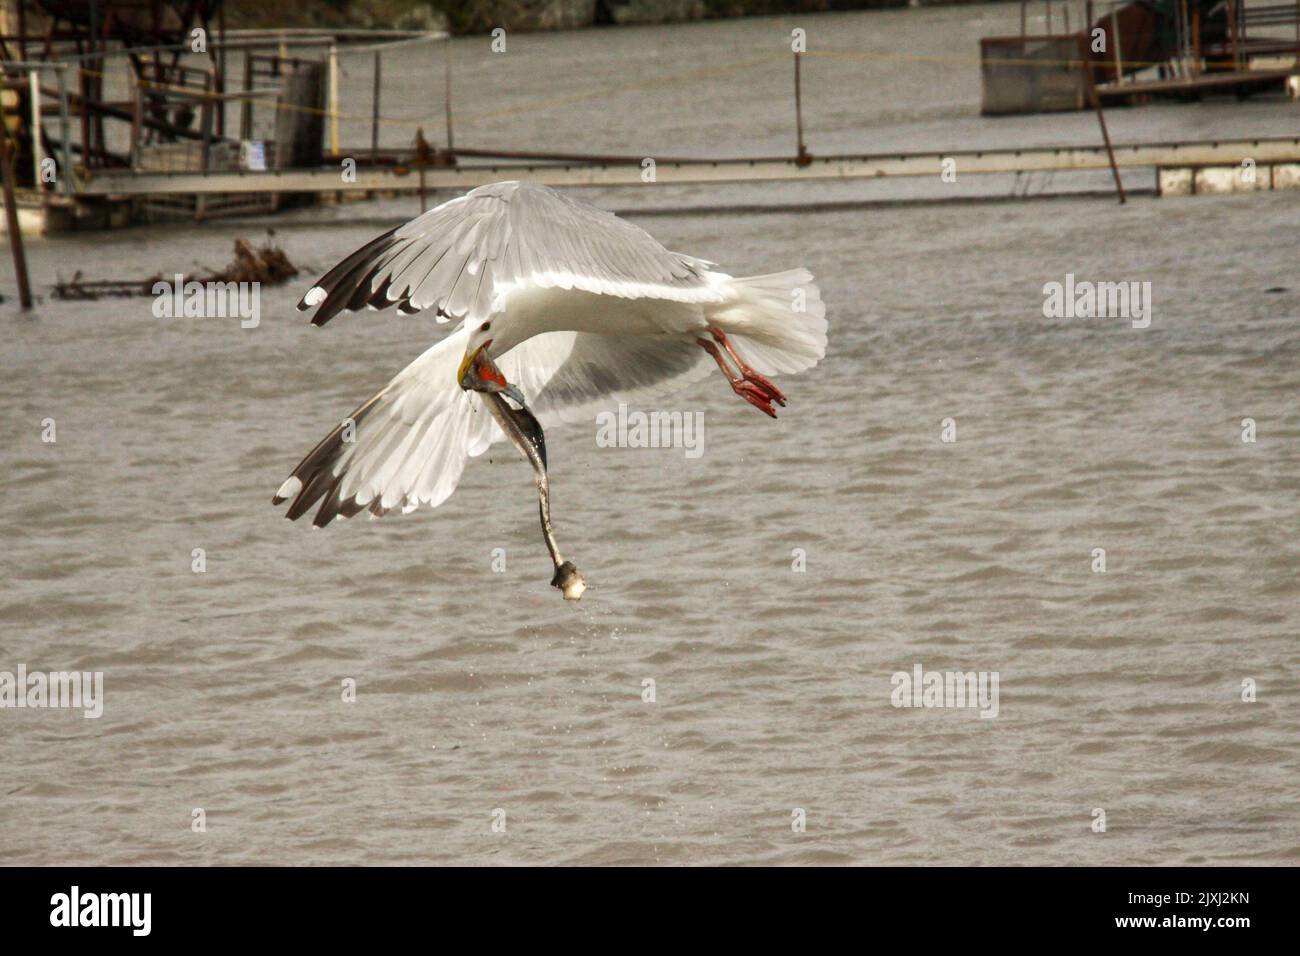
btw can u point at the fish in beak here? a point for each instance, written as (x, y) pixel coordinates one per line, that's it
(478, 373)
(471, 364)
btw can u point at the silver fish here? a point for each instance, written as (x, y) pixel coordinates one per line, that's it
(525, 433)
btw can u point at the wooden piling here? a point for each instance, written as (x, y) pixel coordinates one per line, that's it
(8, 152)
(1196, 41)
(1086, 65)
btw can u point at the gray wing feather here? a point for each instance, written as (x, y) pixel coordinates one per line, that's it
(410, 442)
(458, 257)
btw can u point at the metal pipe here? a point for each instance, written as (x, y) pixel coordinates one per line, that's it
(1183, 49)
(137, 121)
(38, 128)
(65, 131)
(205, 155)
(603, 159)
(1232, 32)
(334, 97)
(801, 153)
(86, 107)
(1114, 37)
(219, 55)
(83, 101)
(22, 30)
(374, 111)
(446, 49)
(246, 113)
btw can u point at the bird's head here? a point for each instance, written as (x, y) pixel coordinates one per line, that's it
(478, 372)
(477, 367)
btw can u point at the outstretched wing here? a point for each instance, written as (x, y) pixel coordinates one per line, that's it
(408, 444)
(464, 257)
(570, 376)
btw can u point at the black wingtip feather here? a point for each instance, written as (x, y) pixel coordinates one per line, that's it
(342, 282)
(316, 472)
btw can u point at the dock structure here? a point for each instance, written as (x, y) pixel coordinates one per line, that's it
(1135, 51)
(1261, 154)
(189, 140)
(63, 64)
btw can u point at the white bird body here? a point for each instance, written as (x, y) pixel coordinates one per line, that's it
(578, 309)
(527, 311)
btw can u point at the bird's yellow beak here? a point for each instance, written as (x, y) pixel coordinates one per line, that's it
(465, 364)
(480, 367)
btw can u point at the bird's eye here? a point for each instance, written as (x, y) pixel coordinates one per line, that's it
(485, 326)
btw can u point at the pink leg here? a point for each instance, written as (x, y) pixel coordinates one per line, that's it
(750, 392)
(747, 373)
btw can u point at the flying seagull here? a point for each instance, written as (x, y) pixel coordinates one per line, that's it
(561, 306)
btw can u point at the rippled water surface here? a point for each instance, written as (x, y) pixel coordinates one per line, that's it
(479, 690)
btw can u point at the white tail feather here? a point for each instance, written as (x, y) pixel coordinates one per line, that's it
(776, 322)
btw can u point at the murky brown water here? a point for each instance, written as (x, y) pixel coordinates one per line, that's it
(478, 690)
